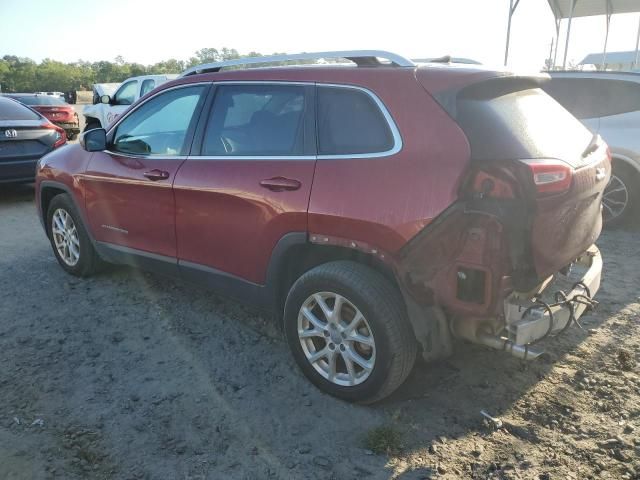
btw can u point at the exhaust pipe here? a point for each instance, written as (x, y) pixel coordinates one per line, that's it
(523, 352)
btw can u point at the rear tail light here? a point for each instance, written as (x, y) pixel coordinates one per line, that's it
(61, 136)
(550, 176)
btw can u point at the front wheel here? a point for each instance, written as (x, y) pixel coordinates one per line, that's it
(348, 331)
(69, 239)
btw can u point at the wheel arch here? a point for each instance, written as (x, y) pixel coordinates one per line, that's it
(294, 255)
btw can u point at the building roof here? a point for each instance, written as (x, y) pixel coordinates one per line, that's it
(588, 8)
(611, 57)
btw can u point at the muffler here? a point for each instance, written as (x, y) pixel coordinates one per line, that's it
(524, 352)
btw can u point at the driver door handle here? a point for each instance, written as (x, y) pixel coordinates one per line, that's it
(156, 175)
(280, 184)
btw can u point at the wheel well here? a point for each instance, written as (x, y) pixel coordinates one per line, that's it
(635, 170)
(46, 195)
(303, 257)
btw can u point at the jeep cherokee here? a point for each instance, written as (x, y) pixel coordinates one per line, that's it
(379, 209)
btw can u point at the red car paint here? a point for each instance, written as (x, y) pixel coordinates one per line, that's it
(219, 216)
(58, 113)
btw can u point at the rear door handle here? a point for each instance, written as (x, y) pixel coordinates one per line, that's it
(280, 184)
(156, 174)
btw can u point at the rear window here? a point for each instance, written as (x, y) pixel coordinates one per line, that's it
(525, 124)
(594, 97)
(12, 110)
(350, 123)
(40, 100)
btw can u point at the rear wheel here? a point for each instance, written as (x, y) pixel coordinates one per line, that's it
(621, 195)
(348, 331)
(69, 239)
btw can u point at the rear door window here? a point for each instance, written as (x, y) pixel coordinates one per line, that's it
(594, 97)
(256, 120)
(350, 123)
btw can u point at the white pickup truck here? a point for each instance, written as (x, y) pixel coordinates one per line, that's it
(110, 107)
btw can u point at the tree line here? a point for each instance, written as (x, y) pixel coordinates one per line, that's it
(19, 74)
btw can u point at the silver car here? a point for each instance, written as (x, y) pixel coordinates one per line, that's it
(608, 103)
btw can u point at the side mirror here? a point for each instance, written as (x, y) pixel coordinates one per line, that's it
(105, 99)
(94, 140)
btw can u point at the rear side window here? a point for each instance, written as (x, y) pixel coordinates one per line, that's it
(255, 120)
(350, 123)
(12, 110)
(594, 97)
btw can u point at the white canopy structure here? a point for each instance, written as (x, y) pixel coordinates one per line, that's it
(570, 9)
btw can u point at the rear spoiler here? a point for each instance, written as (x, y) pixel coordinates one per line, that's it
(486, 89)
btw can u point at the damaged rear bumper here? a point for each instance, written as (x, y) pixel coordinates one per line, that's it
(557, 304)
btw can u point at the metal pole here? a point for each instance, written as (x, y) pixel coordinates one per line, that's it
(566, 45)
(555, 53)
(549, 66)
(635, 62)
(512, 8)
(606, 35)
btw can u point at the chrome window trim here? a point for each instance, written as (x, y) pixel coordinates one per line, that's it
(395, 133)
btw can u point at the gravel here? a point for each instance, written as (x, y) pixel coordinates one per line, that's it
(127, 375)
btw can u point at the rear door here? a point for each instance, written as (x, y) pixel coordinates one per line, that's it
(248, 182)
(128, 187)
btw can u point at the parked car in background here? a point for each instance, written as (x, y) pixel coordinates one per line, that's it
(55, 109)
(52, 94)
(374, 209)
(608, 103)
(111, 107)
(100, 89)
(25, 136)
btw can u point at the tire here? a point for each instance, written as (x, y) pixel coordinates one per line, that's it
(91, 124)
(76, 239)
(624, 186)
(392, 353)
(72, 136)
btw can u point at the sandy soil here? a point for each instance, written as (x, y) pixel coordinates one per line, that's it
(132, 376)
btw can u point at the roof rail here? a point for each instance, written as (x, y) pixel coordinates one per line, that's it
(362, 58)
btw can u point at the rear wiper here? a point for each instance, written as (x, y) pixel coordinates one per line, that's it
(592, 147)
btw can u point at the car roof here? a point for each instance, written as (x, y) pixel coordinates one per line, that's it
(168, 76)
(443, 75)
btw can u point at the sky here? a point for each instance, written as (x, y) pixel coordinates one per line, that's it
(147, 31)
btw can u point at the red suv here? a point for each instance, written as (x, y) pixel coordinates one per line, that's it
(379, 209)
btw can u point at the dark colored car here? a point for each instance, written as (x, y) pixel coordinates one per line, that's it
(25, 136)
(378, 210)
(55, 109)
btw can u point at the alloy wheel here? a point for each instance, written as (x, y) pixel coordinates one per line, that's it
(65, 237)
(336, 339)
(615, 198)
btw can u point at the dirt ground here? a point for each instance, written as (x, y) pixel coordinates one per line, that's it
(132, 376)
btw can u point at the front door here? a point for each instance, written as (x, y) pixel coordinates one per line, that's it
(249, 182)
(129, 198)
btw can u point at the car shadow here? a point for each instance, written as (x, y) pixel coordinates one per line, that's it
(14, 193)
